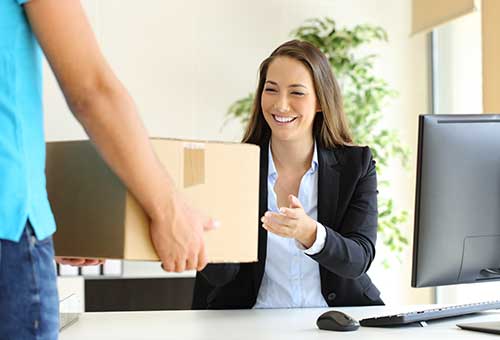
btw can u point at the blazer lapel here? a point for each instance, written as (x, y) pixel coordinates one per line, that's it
(328, 186)
(328, 196)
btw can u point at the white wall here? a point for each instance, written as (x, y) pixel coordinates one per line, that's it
(459, 66)
(459, 91)
(185, 62)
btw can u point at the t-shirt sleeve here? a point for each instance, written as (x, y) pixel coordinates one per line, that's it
(22, 2)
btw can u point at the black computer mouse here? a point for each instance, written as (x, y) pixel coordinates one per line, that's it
(337, 321)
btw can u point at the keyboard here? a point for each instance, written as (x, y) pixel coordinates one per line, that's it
(429, 314)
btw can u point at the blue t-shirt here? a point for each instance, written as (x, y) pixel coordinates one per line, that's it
(23, 194)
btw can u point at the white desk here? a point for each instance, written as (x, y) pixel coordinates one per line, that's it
(274, 324)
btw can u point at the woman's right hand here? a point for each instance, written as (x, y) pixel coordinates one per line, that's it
(178, 238)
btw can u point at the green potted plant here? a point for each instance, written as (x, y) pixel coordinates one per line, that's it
(365, 95)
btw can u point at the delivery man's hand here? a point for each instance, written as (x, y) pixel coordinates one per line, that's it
(79, 262)
(108, 114)
(178, 237)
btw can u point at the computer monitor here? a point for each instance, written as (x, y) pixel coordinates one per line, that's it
(457, 206)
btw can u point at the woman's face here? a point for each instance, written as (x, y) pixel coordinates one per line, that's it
(289, 100)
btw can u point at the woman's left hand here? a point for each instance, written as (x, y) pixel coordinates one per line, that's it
(293, 222)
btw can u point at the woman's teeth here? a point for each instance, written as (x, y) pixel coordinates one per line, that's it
(283, 119)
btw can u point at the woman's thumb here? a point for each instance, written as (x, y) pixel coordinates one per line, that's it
(294, 202)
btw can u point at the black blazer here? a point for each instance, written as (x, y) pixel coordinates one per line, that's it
(347, 207)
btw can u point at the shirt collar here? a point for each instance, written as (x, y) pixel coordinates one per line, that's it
(271, 169)
(314, 161)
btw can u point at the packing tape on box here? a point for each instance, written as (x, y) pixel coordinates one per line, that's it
(194, 164)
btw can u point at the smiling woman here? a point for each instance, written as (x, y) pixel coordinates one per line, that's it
(318, 196)
(288, 99)
(297, 76)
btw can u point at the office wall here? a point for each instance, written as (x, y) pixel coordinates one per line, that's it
(458, 77)
(185, 62)
(459, 91)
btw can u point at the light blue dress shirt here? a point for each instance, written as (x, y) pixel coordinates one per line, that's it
(22, 144)
(291, 278)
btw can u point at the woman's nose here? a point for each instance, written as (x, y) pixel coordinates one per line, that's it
(281, 105)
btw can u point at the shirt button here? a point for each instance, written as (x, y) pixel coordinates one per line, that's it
(332, 296)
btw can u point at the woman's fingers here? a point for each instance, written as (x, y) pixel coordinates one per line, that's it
(273, 230)
(291, 212)
(279, 218)
(278, 229)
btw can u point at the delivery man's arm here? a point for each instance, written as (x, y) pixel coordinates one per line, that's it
(104, 108)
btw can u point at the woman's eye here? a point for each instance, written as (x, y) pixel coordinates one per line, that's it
(270, 89)
(296, 93)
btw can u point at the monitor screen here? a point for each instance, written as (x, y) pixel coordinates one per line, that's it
(457, 205)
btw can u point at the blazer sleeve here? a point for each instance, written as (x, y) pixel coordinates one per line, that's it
(350, 251)
(220, 274)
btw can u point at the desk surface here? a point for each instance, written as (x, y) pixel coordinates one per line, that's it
(269, 324)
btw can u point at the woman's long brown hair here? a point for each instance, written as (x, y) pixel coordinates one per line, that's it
(330, 127)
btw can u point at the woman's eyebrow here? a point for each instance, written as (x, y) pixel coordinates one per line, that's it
(272, 82)
(297, 85)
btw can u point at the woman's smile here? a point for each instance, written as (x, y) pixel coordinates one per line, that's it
(283, 120)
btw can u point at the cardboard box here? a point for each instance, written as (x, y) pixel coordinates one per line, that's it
(97, 217)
